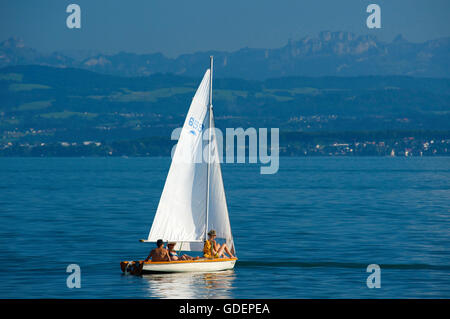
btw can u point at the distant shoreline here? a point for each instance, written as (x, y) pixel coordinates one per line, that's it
(291, 144)
(281, 156)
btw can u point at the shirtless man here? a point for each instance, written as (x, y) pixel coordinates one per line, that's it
(160, 253)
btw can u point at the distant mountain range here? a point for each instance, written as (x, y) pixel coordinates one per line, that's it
(329, 54)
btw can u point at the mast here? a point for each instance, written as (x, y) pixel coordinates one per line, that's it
(209, 143)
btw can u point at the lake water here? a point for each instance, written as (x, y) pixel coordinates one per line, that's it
(309, 231)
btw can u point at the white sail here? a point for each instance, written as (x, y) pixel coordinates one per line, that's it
(181, 214)
(218, 211)
(181, 211)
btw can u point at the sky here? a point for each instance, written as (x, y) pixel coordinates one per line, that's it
(174, 27)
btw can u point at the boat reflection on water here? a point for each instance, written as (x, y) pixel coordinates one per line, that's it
(190, 285)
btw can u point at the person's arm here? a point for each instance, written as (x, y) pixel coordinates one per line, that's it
(149, 256)
(168, 255)
(214, 246)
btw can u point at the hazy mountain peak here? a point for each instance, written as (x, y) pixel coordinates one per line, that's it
(13, 42)
(399, 39)
(328, 53)
(336, 36)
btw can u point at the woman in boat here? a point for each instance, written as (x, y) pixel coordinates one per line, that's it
(211, 249)
(174, 256)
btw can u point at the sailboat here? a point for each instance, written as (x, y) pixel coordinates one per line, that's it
(193, 200)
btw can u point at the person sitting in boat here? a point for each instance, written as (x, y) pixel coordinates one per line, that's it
(212, 249)
(174, 256)
(159, 253)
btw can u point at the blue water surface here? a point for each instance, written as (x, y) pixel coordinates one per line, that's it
(309, 231)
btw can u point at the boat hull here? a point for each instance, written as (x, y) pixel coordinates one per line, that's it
(200, 265)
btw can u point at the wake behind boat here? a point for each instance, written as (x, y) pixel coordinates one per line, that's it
(193, 199)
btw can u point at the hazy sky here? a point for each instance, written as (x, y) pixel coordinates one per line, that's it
(181, 26)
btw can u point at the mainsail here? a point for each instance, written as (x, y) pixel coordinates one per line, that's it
(193, 194)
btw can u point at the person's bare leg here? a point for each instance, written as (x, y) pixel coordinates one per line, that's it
(187, 257)
(220, 251)
(228, 251)
(222, 248)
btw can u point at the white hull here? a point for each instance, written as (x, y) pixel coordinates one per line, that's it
(201, 265)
